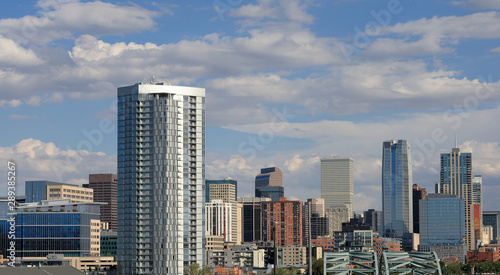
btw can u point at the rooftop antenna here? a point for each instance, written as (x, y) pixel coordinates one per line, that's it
(152, 79)
(456, 146)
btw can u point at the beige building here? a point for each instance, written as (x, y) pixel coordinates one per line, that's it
(73, 193)
(293, 255)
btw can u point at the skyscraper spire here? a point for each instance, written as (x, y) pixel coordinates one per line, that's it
(456, 146)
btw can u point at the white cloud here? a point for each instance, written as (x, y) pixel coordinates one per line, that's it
(11, 54)
(288, 10)
(38, 160)
(61, 19)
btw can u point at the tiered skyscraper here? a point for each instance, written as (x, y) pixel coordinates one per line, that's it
(397, 197)
(161, 164)
(269, 184)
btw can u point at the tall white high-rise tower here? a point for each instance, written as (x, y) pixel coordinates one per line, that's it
(161, 173)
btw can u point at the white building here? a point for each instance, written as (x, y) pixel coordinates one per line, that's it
(337, 185)
(161, 163)
(219, 220)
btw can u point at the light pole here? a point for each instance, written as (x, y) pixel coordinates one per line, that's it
(275, 251)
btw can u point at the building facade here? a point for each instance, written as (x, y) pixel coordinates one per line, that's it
(442, 225)
(282, 221)
(456, 179)
(58, 227)
(105, 190)
(252, 219)
(219, 220)
(397, 197)
(161, 164)
(419, 193)
(337, 185)
(225, 190)
(269, 184)
(36, 191)
(492, 218)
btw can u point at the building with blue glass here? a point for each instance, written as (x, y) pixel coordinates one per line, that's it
(442, 225)
(57, 227)
(269, 184)
(161, 178)
(456, 179)
(397, 196)
(492, 218)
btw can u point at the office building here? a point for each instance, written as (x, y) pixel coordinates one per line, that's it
(58, 227)
(337, 216)
(36, 190)
(337, 185)
(226, 190)
(492, 218)
(419, 193)
(397, 197)
(319, 222)
(456, 179)
(108, 243)
(219, 220)
(442, 225)
(282, 221)
(353, 241)
(269, 184)
(374, 219)
(252, 218)
(73, 193)
(105, 190)
(161, 164)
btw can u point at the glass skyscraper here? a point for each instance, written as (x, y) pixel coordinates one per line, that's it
(442, 225)
(456, 179)
(161, 175)
(337, 185)
(397, 197)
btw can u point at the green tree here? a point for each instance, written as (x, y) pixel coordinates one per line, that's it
(317, 268)
(195, 269)
(287, 271)
(453, 268)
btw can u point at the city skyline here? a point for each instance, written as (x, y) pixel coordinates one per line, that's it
(289, 82)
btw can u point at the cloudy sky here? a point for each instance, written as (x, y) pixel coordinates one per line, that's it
(288, 82)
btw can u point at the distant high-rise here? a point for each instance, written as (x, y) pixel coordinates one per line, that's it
(286, 217)
(397, 199)
(492, 218)
(36, 190)
(374, 219)
(442, 225)
(456, 179)
(319, 222)
(225, 191)
(419, 193)
(269, 184)
(105, 190)
(252, 219)
(337, 185)
(161, 177)
(219, 219)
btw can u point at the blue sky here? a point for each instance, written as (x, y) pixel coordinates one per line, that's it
(287, 82)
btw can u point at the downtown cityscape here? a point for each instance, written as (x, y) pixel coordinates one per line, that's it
(250, 137)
